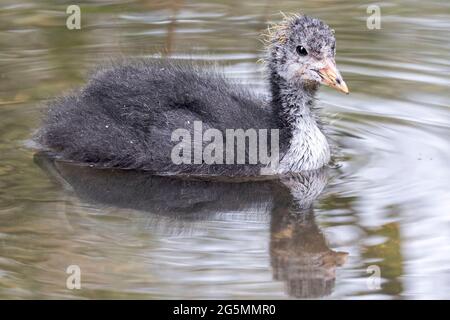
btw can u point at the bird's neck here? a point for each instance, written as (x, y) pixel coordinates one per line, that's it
(293, 102)
(306, 145)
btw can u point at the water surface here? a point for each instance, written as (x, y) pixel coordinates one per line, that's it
(386, 206)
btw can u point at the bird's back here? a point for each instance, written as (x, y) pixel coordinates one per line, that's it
(126, 114)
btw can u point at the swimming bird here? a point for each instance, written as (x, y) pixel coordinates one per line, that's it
(126, 115)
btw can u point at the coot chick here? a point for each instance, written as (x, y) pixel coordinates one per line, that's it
(126, 115)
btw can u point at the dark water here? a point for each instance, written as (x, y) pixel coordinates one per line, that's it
(386, 208)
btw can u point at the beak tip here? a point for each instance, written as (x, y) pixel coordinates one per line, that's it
(343, 90)
(343, 87)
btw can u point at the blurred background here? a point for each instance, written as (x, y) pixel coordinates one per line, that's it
(387, 204)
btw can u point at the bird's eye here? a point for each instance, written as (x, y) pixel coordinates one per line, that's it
(301, 51)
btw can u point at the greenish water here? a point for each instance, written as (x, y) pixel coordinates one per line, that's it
(387, 205)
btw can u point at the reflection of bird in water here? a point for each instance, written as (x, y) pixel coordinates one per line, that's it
(299, 254)
(125, 116)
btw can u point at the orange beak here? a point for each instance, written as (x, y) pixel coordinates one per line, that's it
(331, 76)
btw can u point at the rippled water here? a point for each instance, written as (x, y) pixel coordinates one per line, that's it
(385, 208)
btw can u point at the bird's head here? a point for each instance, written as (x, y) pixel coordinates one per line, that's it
(301, 50)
